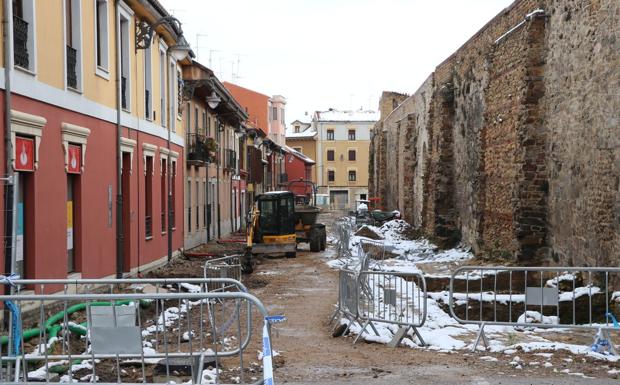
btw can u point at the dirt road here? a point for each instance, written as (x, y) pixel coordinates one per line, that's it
(305, 290)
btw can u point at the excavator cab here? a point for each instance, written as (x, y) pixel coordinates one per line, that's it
(277, 217)
(272, 228)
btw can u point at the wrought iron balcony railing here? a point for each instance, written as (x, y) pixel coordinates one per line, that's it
(197, 147)
(71, 67)
(20, 42)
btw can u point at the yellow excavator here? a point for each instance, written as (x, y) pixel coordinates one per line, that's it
(279, 222)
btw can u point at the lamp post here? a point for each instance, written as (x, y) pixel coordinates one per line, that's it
(178, 51)
(212, 102)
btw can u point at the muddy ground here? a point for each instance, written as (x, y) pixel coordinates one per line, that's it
(305, 291)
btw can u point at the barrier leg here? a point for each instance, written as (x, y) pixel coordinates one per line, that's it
(346, 330)
(482, 336)
(333, 317)
(374, 329)
(612, 348)
(361, 332)
(417, 334)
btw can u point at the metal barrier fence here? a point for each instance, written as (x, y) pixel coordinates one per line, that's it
(130, 331)
(343, 229)
(225, 267)
(543, 297)
(370, 297)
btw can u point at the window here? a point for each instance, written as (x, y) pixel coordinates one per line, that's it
(274, 113)
(163, 197)
(196, 119)
(148, 82)
(204, 205)
(179, 94)
(173, 192)
(189, 206)
(298, 149)
(173, 87)
(282, 116)
(24, 34)
(73, 38)
(204, 121)
(197, 205)
(72, 207)
(330, 134)
(352, 154)
(352, 176)
(330, 155)
(297, 128)
(363, 197)
(101, 36)
(148, 198)
(125, 79)
(351, 134)
(189, 118)
(331, 175)
(162, 87)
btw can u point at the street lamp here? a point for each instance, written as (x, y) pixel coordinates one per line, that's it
(178, 51)
(213, 100)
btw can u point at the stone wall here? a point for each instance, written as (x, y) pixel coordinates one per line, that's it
(582, 116)
(512, 145)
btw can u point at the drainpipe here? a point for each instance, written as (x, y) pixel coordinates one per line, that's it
(9, 219)
(171, 121)
(119, 158)
(208, 211)
(217, 181)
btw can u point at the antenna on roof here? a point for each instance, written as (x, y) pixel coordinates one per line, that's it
(211, 57)
(198, 47)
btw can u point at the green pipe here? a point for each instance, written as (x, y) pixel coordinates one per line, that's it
(81, 306)
(52, 329)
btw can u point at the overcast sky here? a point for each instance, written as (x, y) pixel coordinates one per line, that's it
(328, 53)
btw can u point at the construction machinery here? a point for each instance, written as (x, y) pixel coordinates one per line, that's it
(279, 220)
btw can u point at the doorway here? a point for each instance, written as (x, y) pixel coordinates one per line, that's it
(126, 197)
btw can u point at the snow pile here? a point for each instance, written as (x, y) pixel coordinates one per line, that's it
(440, 331)
(395, 234)
(532, 317)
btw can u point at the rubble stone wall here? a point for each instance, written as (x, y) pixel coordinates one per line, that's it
(512, 145)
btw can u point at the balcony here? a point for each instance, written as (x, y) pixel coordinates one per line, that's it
(71, 67)
(20, 42)
(200, 149)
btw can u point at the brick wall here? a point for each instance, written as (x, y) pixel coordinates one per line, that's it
(512, 145)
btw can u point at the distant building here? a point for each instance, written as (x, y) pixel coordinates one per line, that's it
(299, 169)
(301, 137)
(343, 139)
(266, 130)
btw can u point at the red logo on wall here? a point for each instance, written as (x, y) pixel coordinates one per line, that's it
(75, 159)
(24, 154)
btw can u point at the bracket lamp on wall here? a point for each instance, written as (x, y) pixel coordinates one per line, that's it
(145, 31)
(213, 100)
